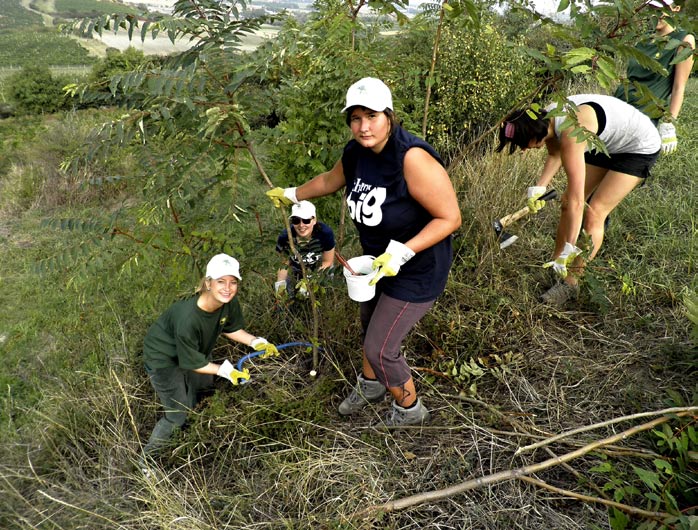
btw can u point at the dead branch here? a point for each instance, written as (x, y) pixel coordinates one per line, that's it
(674, 410)
(586, 498)
(437, 495)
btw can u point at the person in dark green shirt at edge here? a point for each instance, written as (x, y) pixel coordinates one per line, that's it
(177, 347)
(668, 89)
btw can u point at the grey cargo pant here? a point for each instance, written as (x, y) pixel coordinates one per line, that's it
(177, 390)
(386, 322)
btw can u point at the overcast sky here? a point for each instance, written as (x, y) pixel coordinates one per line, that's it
(547, 7)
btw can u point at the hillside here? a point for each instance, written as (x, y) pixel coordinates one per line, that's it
(575, 418)
(274, 453)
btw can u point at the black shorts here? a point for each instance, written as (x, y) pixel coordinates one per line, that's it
(628, 163)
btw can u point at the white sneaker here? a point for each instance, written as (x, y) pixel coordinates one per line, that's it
(413, 416)
(559, 294)
(362, 394)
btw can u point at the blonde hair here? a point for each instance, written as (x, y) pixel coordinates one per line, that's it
(202, 285)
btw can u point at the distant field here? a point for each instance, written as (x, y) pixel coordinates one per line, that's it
(45, 46)
(162, 45)
(84, 7)
(13, 16)
(19, 48)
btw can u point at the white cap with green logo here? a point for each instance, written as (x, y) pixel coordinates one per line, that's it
(222, 265)
(371, 93)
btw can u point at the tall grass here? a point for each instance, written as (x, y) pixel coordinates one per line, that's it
(76, 404)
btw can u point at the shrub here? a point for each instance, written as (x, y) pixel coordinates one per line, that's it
(115, 63)
(481, 76)
(35, 90)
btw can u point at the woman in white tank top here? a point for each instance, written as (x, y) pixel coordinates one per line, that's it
(575, 135)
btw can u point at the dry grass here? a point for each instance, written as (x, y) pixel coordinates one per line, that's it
(274, 454)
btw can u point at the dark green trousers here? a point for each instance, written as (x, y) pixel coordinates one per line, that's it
(177, 390)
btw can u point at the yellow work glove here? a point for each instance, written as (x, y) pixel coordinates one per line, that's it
(260, 344)
(280, 289)
(534, 203)
(388, 264)
(566, 257)
(667, 132)
(279, 196)
(229, 372)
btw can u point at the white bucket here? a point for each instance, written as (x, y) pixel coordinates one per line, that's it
(357, 285)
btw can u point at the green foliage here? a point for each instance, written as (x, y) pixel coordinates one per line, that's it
(467, 373)
(35, 90)
(480, 77)
(690, 300)
(310, 95)
(118, 62)
(664, 484)
(408, 78)
(186, 112)
(594, 43)
(44, 47)
(103, 71)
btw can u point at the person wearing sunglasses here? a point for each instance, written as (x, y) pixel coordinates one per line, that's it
(662, 45)
(404, 207)
(315, 244)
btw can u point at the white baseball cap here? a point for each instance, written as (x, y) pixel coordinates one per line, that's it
(371, 93)
(660, 3)
(222, 265)
(304, 210)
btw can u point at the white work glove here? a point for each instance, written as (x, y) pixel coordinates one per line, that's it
(533, 194)
(302, 289)
(260, 344)
(565, 258)
(279, 196)
(668, 133)
(280, 288)
(388, 264)
(229, 372)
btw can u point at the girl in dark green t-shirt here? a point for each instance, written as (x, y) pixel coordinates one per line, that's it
(177, 347)
(665, 43)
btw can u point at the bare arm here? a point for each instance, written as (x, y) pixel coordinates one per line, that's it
(553, 162)
(681, 74)
(241, 336)
(210, 369)
(282, 274)
(327, 259)
(323, 184)
(572, 156)
(429, 184)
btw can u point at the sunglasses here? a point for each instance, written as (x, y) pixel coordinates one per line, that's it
(297, 220)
